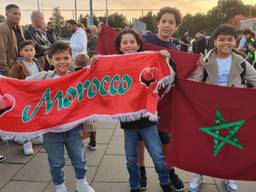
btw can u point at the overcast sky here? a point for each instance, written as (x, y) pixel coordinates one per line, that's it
(185, 6)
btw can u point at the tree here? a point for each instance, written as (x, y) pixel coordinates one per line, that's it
(59, 23)
(116, 20)
(83, 19)
(149, 19)
(2, 18)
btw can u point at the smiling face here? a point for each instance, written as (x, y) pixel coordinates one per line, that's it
(224, 44)
(128, 44)
(62, 62)
(166, 26)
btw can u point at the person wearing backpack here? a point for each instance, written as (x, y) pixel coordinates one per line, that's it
(223, 67)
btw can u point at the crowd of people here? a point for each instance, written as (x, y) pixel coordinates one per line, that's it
(35, 53)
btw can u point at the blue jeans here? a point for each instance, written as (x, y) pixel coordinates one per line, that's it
(54, 145)
(152, 142)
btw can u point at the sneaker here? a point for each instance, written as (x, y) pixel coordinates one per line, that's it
(176, 181)
(92, 145)
(143, 178)
(2, 158)
(166, 188)
(134, 190)
(195, 184)
(27, 148)
(83, 186)
(61, 188)
(231, 186)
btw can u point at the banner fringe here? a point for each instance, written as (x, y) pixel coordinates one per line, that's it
(127, 117)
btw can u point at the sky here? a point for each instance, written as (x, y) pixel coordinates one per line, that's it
(185, 6)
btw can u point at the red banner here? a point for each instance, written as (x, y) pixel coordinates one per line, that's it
(121, 87)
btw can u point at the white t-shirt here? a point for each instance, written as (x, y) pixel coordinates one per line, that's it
(31, 67)
(224, 66)
(78, 42)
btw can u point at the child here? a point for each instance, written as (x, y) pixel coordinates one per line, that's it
(54, 142)
(25, 66)
(168, 20)
(251, 55)
(128, 41)
(223, 67)
(81, 61)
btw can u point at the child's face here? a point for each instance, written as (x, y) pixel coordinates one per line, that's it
(251, 48)
(225, 44)
(129, 44)
(62, 62)
(28, 52)
(166, 26)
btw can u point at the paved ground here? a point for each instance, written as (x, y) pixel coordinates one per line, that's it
(106, 168)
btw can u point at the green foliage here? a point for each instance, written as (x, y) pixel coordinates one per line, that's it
(149, 19)
(222, 13)
(83, 20)
(116, 20)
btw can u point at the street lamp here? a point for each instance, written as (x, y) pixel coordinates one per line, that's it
(90, 21)
(107, 12)
(75, 11)
(38, 7)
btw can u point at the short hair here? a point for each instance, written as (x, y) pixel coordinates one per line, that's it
(35, 14)
(11, 6)
(82, 60)
(49, 23)
(128, 31)
(170, 10)
(25, 43)
(224, 29)
(59, 47)
(72, 22)
(247, 32)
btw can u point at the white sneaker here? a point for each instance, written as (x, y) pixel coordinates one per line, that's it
(231, 186)
(61, 188)
(27, 148)
(195, 184)
(83, 186)
(37, 140)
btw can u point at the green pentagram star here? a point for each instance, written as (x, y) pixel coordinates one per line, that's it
(221, 124)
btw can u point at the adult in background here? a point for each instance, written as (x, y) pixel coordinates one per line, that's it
(184, 42)
(78, 41)
(200, 43)
(35, 33)
(10, 37)
(50, 32)
(92, 34)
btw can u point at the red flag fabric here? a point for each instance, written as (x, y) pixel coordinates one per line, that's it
(185, 62)
(213, 130)
(121, 86)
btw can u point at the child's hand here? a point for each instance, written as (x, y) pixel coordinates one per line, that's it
(164, 53)
(92, 60)
(200, 61)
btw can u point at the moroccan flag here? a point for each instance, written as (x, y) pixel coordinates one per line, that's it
(122, 87)
(213, 130)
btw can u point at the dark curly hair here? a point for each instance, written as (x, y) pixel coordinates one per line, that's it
(170, 10)
(128, 31)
